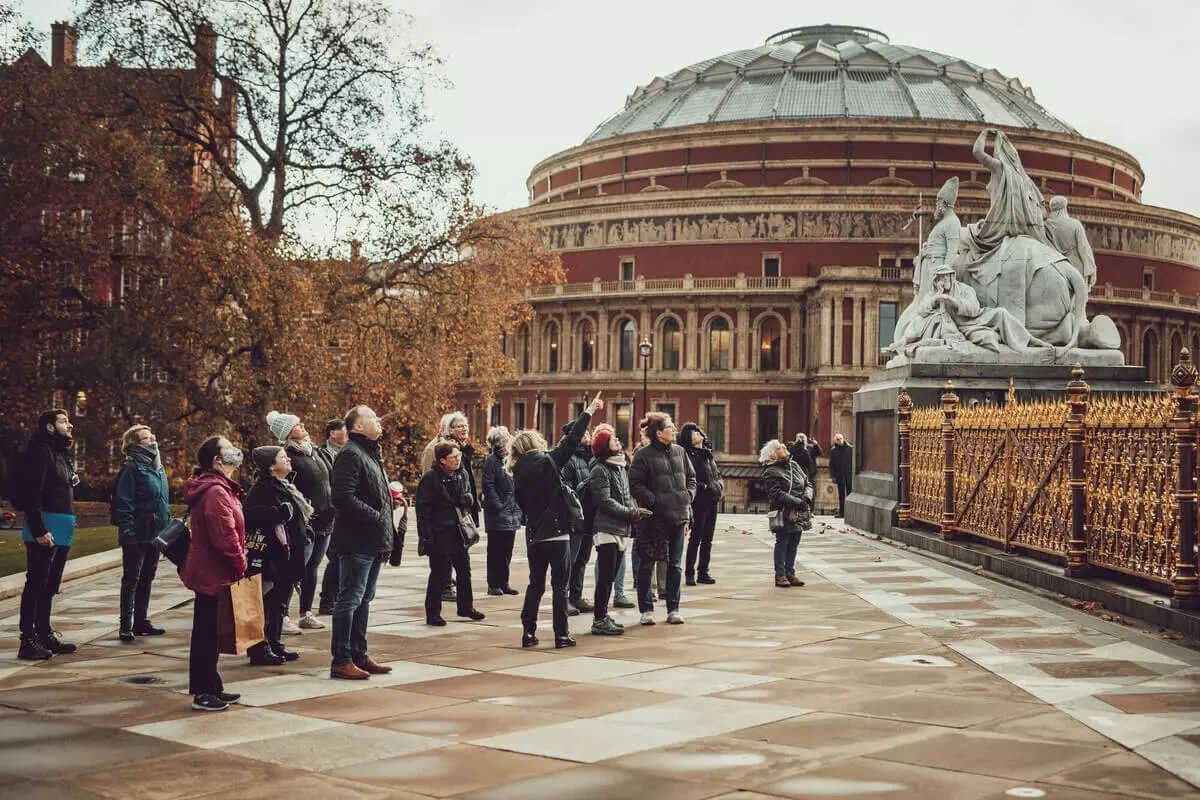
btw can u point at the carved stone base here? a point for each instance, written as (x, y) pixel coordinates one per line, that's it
(975, 355)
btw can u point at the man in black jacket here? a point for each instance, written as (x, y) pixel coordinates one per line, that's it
(841, 469)
(46, 483)
(710, 487)
(576, 475)
(363, 536)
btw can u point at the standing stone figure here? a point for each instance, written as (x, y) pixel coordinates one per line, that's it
(1016, 202)
(1069, 238)
(940, 248)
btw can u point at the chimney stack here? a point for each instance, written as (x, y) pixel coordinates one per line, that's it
(63, 38)
(206, 48)
(355, 249)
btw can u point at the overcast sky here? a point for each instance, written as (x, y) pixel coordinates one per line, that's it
(534, 77)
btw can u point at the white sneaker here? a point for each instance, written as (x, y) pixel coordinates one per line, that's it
(673, 618)
(310, 622)
(648, 618)
(289, 627)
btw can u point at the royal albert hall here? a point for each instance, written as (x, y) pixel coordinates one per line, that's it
(751, 217)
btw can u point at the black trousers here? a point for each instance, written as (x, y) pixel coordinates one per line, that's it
(607, 558)
(275, 603)
(704, 524)
(139, 563)
(554, 556)
(843, 489)
(329, 583)
(581, 554)
(202, 657)
(499, 558)
(43, 576)
(439, 578)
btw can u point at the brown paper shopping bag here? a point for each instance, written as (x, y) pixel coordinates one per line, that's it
(240, 615)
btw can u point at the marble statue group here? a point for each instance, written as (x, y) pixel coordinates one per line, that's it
(1011, 288)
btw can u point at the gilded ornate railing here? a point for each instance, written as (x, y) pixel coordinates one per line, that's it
(1107, 481)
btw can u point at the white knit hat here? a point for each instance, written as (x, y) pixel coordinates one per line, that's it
(281, 425)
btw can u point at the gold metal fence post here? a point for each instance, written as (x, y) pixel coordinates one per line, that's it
(949, 408)
(1186, 592)
(1077, 545)
(904, 411)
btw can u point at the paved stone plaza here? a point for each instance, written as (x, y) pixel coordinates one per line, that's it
(886, 676)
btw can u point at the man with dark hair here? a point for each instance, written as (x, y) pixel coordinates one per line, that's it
(335, 439)
(363, 536)
(45, 491)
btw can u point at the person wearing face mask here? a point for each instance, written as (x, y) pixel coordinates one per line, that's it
(46, 492)
(141, 512)
(273, 507)
(216, 558)
(710, 487)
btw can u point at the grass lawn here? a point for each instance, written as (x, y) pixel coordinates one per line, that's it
(87, 541)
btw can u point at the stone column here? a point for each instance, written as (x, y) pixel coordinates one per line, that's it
(856, 356)
(822, 339)
(601, 356)
(742, 338)
(691, 338)
(835, 332)
(795, 328)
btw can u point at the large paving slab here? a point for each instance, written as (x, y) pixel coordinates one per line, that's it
(887, 675)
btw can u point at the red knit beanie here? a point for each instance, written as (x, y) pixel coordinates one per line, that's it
(600, 448)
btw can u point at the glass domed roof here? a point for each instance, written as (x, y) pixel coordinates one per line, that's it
(829, 71)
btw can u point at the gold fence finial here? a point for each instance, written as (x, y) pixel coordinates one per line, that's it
(1012, 390)
(1183, 376)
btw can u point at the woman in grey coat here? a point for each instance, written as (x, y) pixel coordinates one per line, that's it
(785, 483)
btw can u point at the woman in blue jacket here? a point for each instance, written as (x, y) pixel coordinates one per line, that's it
(140, 513)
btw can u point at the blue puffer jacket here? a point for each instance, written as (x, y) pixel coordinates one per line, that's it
(500, 509)
(141, 501)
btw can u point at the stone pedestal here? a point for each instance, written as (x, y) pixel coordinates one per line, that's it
(872, 505)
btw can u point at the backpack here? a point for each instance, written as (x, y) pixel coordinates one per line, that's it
(112, 496)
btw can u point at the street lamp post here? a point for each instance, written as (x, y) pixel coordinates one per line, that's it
(644, 350)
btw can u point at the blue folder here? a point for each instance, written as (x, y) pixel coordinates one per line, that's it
(61, 527)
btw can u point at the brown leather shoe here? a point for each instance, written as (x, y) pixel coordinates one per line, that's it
(368, 665)
(782, 582)
(348, 672)
(794, 581)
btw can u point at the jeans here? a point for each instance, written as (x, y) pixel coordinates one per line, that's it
(439, 576)
(607, 558)
(357, 576)
(700, 542)
(329, 583)
(139, 563)
(786, 545)
(554, 556)
(308, 584)
(645, 579)
(275, 603)
(581, 553)
(499, 557)
(202, 656)
(43, 576)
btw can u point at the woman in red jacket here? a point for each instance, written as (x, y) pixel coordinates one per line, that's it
(216, 558)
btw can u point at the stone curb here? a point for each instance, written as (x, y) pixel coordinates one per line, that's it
(11, 585)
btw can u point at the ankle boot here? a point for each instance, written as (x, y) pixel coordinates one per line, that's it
(126, 632)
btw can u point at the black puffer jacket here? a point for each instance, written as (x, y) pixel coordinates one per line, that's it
(710, 486)
(500, 509)
(311, 476)
(362, 523)
(537, 481)
(439, 498)
(609, 488)
(663, 480)
(266, 505)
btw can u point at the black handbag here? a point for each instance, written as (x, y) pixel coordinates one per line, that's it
(173, 542)
(571, 501)
(467, 529)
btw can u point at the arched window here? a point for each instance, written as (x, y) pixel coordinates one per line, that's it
(552, 344)
(1150, 354)
(718, 344)
(522, 354)
(587, 346)
(672, 339)
(1176, 347)
(770, 351)
(628, 345)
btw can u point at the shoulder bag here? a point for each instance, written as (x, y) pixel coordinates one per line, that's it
(775, 518)
(173, 542)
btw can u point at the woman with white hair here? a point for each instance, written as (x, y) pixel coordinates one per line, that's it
(541, 494)
(791, 514)
(501, 514)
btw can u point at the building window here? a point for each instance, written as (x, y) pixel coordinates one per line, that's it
(523, 348)
(770, 351)
(587, 346)
(714, 425)
(576, 411)
(628, 344)
(887, 326)
(495, 415)
(623, 421)
(127, 282)
(768, 423)
(770, 269)
(671, 341)
(1176, 347)
(518, 416)
(627, 267)
(546, 423)
(1150, 354)
(1148, 278)
(718, 344)
(847, 331)
(667, 408)
(552, 336)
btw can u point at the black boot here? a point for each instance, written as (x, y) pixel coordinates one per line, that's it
(145, 628)
(32, 650)
(126, 632)
(689, 578)
(705, 578)
(56, 645)
(529, 638)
